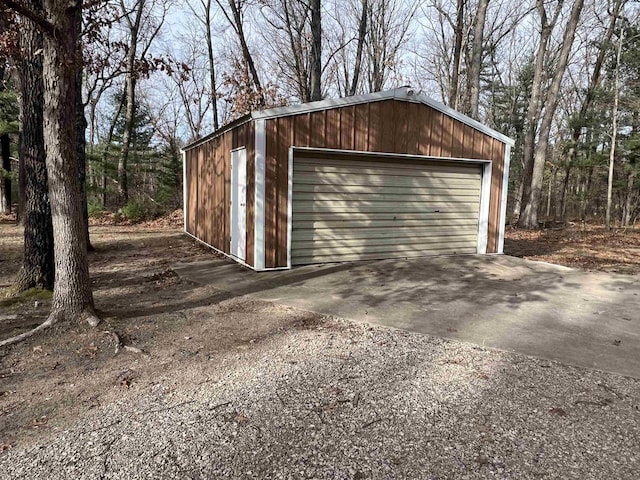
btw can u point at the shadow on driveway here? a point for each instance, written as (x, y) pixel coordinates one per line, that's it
(548, 311)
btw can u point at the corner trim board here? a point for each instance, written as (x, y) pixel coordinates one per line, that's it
(483, 214)
(259, 197)
(289, 205)
(505, 196)
(184, 191)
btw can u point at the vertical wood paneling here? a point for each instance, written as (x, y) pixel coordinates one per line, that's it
(375, 126)
(384, 126)
(437, 125)
(457, 140)
(271, 193)
(361, 126)
(425, 123)
(347, 128)
(332, 139)
(497, 152)
(285, 140)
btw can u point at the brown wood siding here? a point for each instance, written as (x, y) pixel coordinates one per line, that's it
(387, 126)
(208, 176)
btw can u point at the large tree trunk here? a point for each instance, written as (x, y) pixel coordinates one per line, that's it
(476, 58)
(72, 296)
(457, 51)
(316, 51)
(529, 216)
(535, 105)
(5, 151)
(37, 270)
(362, 33)
(82, 157)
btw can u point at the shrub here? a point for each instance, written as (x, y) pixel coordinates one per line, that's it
(138, 210)
(95, 209)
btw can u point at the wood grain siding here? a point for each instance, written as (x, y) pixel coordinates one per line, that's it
(349, 208)
(208, 173)
(387, 126)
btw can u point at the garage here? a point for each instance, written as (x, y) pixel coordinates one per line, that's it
(348, 208)
(390, 174)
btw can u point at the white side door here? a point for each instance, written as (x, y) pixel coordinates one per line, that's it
(239, 203)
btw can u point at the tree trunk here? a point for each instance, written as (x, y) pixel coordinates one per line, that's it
(5, 150)
(212, 66)
(72, 296)
(37, 270)
(246, 54)
(476, 58)
(457, 50)
(535, 104)
(614, 132)
(82, 156)
(362, 33)
(130, 99)
(316, 51)
(529, 217)
(630, 199)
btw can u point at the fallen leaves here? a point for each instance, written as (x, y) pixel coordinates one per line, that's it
(39, 422)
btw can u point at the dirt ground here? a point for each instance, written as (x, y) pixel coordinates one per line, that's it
(181, 335)
(583, 246)
(45, 383)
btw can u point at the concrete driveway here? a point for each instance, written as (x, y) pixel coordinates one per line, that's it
(557, 313)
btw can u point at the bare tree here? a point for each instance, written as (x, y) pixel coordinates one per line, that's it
(614, 130)
(235, 17)
(532, 189)
(535, 100)
(477, 46)
(206, 18)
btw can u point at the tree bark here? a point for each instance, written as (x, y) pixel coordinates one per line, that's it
(130, 99)
(237, 24)
(476, 58)
(535, 103)
(37, 270)
(614, 132)
(457, 52)
(72, 296)
(316, 51)
(533, 188)
(82, 157)
(362, 33)
(5, 150)
(212, 66)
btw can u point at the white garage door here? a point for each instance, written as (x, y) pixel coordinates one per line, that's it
(361, 209)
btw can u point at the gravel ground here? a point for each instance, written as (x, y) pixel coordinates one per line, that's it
(349, 401)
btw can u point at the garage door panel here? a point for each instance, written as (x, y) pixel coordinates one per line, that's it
(382, 167)
(346, 210)
(383, 196)
(376, 179)
(349, 255)
(318, 245)
(408, 189)
(390, 224)
(384, 207)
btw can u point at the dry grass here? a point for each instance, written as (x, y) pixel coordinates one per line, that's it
(588, 247)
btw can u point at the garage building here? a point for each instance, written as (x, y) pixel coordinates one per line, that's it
(384, 175)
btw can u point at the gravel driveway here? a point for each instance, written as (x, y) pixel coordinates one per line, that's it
(341, 400)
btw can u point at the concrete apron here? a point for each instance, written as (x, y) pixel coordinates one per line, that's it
(580, 318)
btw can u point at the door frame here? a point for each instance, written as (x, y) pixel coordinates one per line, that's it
(238, 154)
(485, 190)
